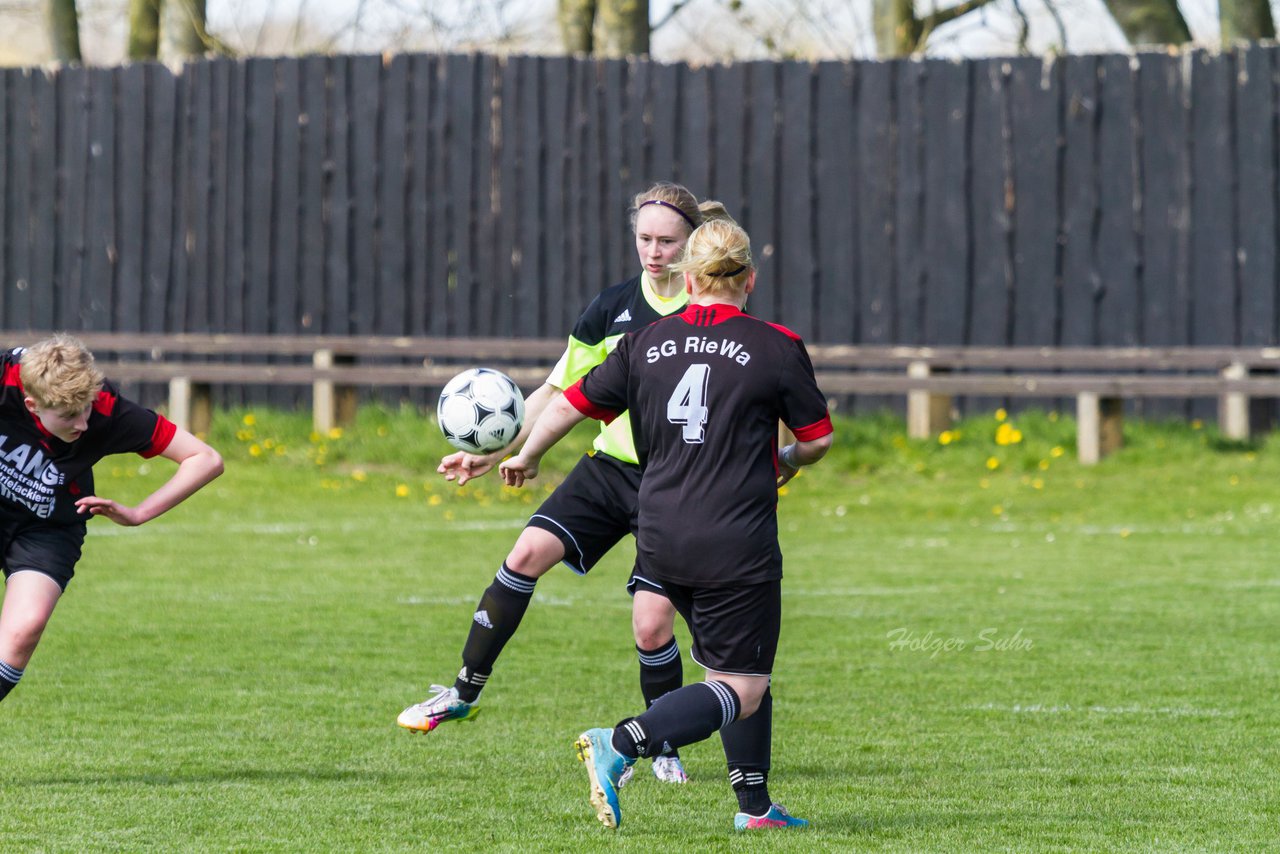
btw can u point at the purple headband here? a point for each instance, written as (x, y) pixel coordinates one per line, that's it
(684, 215)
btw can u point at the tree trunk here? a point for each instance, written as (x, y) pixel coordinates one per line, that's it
(1245, 20)
(624, 26)
(577, 24)
(1150, 22)
(64, 30)
(182, 25)
(144, 29)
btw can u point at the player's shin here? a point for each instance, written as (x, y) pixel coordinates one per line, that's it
(748, 745)
(495, 620)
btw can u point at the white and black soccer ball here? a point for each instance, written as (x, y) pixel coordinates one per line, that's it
(480, 410)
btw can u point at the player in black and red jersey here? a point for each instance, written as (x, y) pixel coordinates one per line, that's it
(58, 417)
(705, 390)
(595, 507)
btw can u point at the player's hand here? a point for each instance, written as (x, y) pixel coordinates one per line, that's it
(462, 466)
(785, 473)
(517, 470)
(115, 511)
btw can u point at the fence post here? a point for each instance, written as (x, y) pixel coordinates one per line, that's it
(1233, 407)
(191, 405)
(322, 402)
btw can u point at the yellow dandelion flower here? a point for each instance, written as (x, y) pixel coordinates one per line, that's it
(1003, 432)
(335, 432)
(1234, 480)
(1001, 414)
(899, 441)
(249, 419)
(402, 490)
(314, 437)
(1197, 424)
(244, 435)
(1124, 533)
(992, 464)
(1038, 483)
(268, 444)
(1043, 465)
(279, 450)
(946, 437)
(359, 475)
(255, 450)
(998, 510)
(1056, 451)
(782, 490)
(435, 501)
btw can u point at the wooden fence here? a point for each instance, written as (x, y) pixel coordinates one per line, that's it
(1086, 200)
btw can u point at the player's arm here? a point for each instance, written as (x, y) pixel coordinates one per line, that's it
(557, 420)
(801, 453)
(462, 466)
(198, 464)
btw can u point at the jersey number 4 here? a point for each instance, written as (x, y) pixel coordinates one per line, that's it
(688, 403)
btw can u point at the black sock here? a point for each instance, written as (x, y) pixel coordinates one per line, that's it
(9, 677)
(684, 716)
(661, 672)
(496, 619)
(747, 747)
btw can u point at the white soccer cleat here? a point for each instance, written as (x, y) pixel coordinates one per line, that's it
(669, 769)
(443, 705)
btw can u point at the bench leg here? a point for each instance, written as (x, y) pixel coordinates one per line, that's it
(928, 414)
(1233, 408)
(1099, 426)
(191, 405)
(331, 405)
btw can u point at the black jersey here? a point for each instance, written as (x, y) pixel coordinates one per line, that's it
(705, 390)
(41, 476)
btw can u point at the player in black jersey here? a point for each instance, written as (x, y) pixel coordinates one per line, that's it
(705, 390)
(58, 417)
(595, 506)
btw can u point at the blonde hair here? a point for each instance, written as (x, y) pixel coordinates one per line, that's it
(59, 373)
(678, 199)
(718, 254)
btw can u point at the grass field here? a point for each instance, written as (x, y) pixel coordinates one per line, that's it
(985, 647)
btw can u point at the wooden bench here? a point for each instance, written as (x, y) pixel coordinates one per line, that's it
(1099, 379)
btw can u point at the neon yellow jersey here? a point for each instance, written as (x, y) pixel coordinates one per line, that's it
(620, 309)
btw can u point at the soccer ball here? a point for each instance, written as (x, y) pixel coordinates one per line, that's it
(480, 410)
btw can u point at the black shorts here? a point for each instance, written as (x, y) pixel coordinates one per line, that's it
(735, 629)
(52, 550)
(592, 510)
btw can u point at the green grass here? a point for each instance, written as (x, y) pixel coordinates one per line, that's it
(227, 677)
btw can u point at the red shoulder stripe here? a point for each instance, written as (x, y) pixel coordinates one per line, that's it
(104, 403)
(784, 330)
(579, 401)
(13, 375)
(160, 437)
(816, 430)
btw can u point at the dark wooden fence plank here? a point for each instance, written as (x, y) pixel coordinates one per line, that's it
(1033, 114)
(1256, 147)
(618, 175)
(73, 147)
(557, 314)
(483, 195)
(130, 194)
(1081, 282)
(461, 99)
(418, 298)
(1165, 198)
(437, 166)
(794, 293)
(166, 188)
(532, 283)
(241, 198)
(365, 103)
(18, 238)
(579, 207)
(191, 245)
(876, 164)
(664, 100)
(391, 308)
(7, 131)
(696, 136)
(1215, 295)
(729, 158)
(1117, 234)
(760, 217)
(337, 270)
(992, 198)
(506, 201)
(286, 255)
(100, 225)
(946, 216)
(910, 202)
(44, 186)
(837, 284)
(221, 191)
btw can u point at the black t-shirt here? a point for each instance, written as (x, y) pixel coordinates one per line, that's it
(705, 390)
(41, 476)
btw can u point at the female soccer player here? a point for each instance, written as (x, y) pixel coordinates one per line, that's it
(595, 506)
(705, 390)
(58, 417)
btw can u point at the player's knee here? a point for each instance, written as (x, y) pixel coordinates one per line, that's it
(652, 621)
(534, 556)
(18, 641)
(651, 636)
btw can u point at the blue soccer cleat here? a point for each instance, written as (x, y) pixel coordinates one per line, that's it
(605, 767)
(777, 817)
